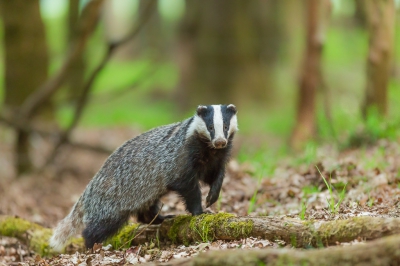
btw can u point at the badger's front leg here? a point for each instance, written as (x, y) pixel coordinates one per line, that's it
(215, 187)
(191, 194)
(192, 197)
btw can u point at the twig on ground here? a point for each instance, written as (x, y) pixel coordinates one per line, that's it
(144, 229)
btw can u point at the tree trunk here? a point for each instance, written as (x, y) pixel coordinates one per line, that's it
(224, 40)
(26, 64)
(187, 229)
(381, 22)
(310, 80)
(77, 72)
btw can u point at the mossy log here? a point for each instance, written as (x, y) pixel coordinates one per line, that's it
(36, 237)
(207, 227)
(384, 251)
(302, 234)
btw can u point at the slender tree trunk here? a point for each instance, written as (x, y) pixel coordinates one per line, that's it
(381, 23)
(225, 42)
(151, 37)
(76, 78)
(26, 64)
(188, 29)
(360, 14)
(310, 80)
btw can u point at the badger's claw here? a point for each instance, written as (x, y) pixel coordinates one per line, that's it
(211, 199)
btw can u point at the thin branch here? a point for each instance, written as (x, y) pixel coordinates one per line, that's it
(87, 24)
(116, 93)
(88, 86)
(51, 134)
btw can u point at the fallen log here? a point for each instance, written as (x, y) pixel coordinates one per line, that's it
(384, 251)
(208, 227)
(35, 236)
(301, 234)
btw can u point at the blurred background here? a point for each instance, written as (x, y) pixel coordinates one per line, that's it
(302, 73)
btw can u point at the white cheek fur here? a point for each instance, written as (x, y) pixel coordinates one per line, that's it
(233, 127)
(199, 126)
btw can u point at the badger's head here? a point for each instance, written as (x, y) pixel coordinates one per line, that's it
(215, 123)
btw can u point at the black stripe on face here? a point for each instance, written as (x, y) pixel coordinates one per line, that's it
(208, 118)
(227, 114)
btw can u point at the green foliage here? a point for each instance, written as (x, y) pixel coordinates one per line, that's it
(332, 204)
(374, 128)
(308, 190)
(309, 154)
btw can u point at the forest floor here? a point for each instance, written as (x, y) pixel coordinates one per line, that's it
(358, 182)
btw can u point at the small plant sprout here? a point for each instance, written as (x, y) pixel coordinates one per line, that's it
(203, 233)
(253, 199)
(332, 204)
(307, 190)
(302, 213)
(218, 204)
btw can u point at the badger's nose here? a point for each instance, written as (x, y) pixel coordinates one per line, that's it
(220, 143)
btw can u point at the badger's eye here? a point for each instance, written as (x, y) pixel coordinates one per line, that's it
(225, 127)
(210, 127)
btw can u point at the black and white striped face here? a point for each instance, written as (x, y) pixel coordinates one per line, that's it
(216, 123)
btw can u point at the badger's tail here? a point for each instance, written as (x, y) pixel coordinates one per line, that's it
(66, 228)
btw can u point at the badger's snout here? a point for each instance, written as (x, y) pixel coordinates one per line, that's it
(220, 143)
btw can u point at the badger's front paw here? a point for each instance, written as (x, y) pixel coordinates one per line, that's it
(211, 199)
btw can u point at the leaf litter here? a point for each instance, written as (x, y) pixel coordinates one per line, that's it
(369, 177)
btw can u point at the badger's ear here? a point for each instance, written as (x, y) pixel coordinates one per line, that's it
(232, 108)
(201, 110)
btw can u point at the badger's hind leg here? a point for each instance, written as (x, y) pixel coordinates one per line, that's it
(147, 215)
(97, 231)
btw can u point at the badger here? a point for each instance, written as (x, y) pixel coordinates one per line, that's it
(175, 157)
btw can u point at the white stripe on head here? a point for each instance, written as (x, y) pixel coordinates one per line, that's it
(198, 125)
(233, 126)
(218, 122)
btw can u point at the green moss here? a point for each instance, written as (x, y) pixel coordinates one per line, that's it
(15, 227)
(206, 226)
(240, 229)
(124, 236)
(180, 224)
(293, 241)
(40, 242)
(39, 236)
(340, 229)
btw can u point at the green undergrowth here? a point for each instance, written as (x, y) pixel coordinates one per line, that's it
(205, 227)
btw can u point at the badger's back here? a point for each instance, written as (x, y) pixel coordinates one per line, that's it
(134, 176)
